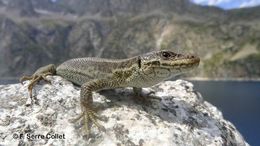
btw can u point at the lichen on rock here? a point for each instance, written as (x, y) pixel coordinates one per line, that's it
(180, 117)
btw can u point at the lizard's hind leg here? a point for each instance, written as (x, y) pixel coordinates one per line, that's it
(39, 74)
(144, 97)
(25, 78)
(32, 83)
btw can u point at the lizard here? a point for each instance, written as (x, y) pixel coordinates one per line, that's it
(94, 74)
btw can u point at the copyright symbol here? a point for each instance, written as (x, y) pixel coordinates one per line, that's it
(15, 136)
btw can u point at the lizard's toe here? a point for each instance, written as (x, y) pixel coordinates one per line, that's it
(93, 116)
(46, 80)
(89, 116)
(25, 78)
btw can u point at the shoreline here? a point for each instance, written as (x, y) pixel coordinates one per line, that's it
(16, 79)
(220, 79)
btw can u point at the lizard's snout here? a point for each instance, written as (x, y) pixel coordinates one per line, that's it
(194, 58)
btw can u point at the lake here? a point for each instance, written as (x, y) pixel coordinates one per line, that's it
(239, 102)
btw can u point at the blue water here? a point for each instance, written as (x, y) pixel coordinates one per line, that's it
(239, 102)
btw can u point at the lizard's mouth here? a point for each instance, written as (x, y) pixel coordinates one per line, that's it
(182, 63)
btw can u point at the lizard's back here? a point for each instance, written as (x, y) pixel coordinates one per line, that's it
(82, 70)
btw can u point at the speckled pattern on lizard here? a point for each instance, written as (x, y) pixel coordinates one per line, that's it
(94, 74)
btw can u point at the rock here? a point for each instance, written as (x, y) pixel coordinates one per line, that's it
(181, 117)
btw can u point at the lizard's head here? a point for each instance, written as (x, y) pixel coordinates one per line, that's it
(167, 63)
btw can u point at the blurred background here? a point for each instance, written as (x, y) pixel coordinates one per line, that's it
(225, 34)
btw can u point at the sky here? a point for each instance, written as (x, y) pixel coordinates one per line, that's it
(228, 4)
(225, 4)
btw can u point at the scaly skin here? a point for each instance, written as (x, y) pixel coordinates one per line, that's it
(94, 74)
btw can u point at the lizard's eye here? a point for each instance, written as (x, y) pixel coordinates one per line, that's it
(166, 54)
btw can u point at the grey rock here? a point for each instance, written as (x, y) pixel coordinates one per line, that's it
(181, 117)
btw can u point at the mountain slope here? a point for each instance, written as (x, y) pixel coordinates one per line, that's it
(227, 42)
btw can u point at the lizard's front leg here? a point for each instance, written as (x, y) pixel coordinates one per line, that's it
(86, 100)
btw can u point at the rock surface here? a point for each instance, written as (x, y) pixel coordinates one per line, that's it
(181, 117)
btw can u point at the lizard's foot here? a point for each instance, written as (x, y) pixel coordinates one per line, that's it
(25, 78)
(40, 74)
(34, 79)
(88, 115)
(144, 97)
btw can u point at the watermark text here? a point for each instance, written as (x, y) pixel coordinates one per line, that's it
(32, 136)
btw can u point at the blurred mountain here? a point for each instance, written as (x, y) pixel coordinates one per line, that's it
(22, 7)
(248, 14)
(37, 32)
(1, 3)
